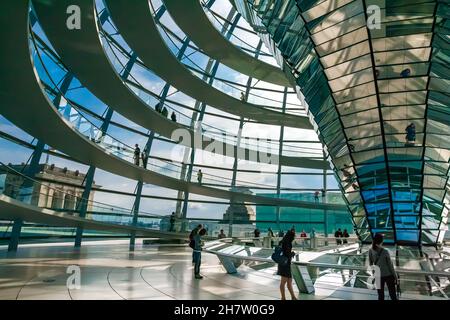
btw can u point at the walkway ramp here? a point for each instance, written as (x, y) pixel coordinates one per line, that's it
(93, 68)
(142, 35)
(211, 41)
(11, 209)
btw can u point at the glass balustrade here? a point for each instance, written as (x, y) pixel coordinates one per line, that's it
(336, 271)
(18, 186)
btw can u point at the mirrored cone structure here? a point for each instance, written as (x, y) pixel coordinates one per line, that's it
(375, 76)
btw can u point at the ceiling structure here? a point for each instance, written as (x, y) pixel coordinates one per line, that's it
(375, 91)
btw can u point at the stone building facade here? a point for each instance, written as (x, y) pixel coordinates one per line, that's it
(57, 188)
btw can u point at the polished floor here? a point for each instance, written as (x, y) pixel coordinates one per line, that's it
(110, 271)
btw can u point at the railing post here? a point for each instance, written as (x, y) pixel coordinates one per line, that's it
(227, 264)
(84, 204)
(302, 279)
(15, 235)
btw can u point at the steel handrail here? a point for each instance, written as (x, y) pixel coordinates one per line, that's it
(328, 265)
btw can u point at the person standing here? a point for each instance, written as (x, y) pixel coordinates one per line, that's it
(199, 176)
(271, 235)
(380, 257)
(284, 270)
(345, 235)
(312, 235)
(222, 235)
(137, 154)
(172, 222)
(197, 254)
(410, 134)
(165, 112)
(191, 238)
(158, 107)
(316, 196)
(144, 157)
(256, 233)
(338, 236)
(173, 116)
(303, 239)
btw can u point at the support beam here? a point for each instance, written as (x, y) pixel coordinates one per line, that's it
(211, 68)
(239, 136)
(280, 152)
(324, 197)
(151, 137)
(235, 165)
(89, 180)
(139, 186)
(136, 213)
(83, 204)
(33, 167)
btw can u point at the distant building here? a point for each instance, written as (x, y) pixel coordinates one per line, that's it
(58, 188)
(240, 212)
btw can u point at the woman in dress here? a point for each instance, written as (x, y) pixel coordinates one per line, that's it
(284, 270)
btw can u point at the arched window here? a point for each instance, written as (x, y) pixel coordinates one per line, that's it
(57, 200)
(69, 202)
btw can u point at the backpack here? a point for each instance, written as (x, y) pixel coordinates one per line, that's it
(375, 262)
(191, 240)
(278, 256)
(192, 243)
